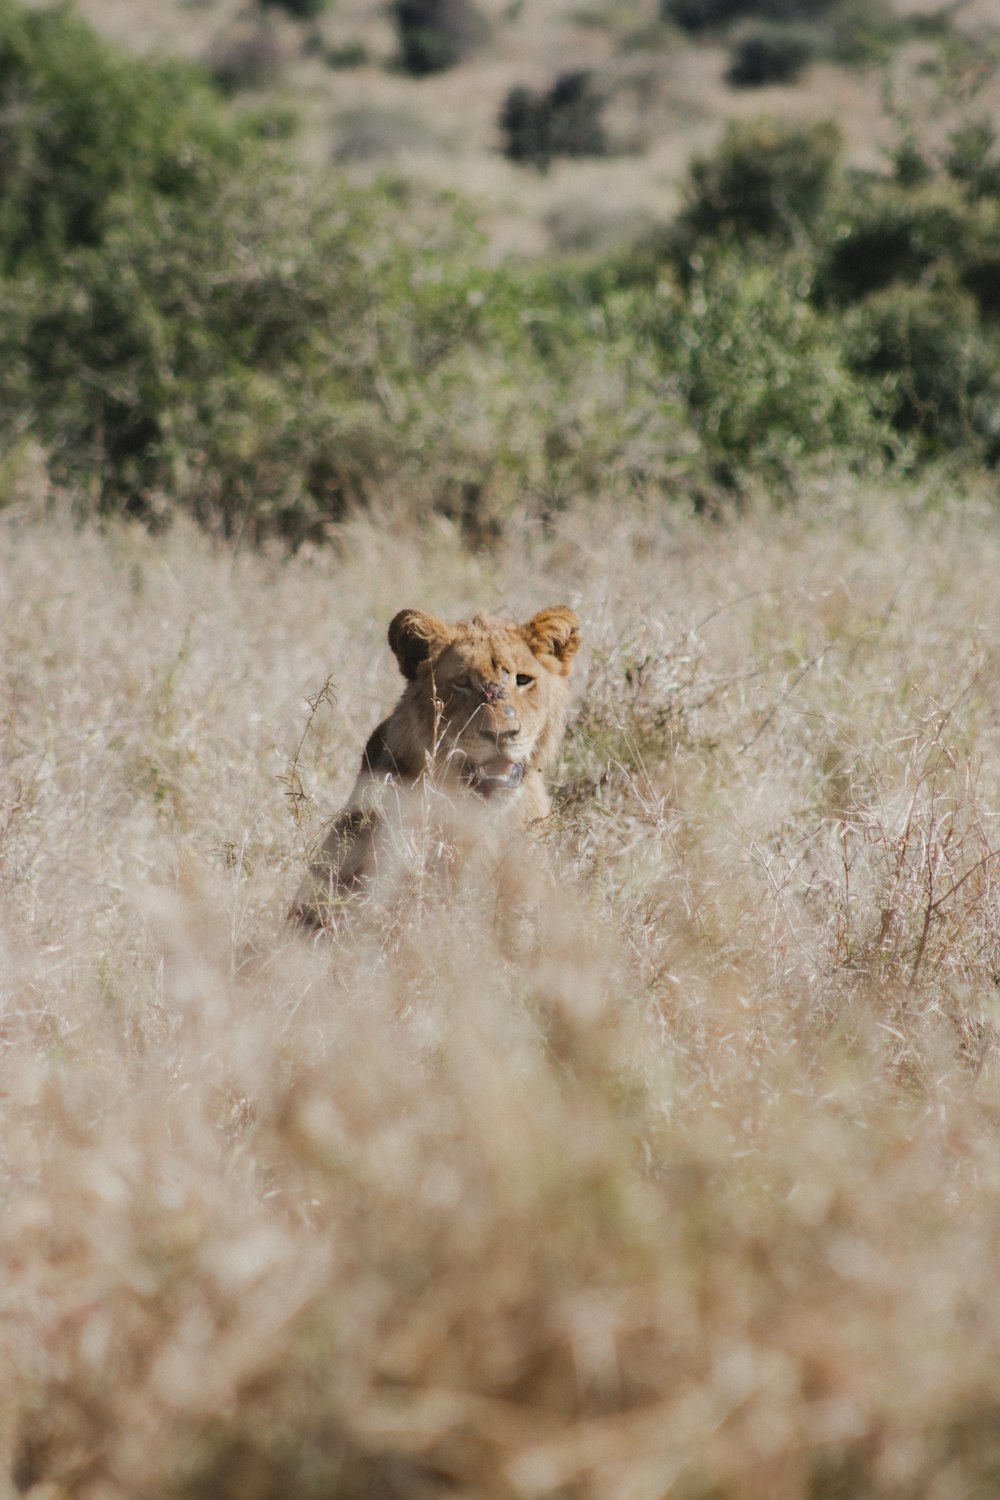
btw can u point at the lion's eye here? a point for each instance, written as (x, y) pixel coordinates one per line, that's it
(523, 680)
(462, 685)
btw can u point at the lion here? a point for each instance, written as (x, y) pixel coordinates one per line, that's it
(480, 720)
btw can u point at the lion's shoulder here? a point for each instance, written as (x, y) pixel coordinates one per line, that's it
(383, 753)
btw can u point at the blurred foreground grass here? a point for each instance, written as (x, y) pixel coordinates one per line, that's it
(665, 1167)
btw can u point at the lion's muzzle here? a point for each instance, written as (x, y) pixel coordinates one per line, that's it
(487, 782)
(496, 719)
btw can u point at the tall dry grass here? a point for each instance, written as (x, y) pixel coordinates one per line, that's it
(671, 1169)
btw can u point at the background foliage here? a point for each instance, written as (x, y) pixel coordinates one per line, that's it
(188, 323)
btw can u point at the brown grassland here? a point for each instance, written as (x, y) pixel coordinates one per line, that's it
(672, 1171)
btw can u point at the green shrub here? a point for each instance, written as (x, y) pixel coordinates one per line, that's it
(236, 359)
(563, 121)
(524, 126)
(302, 10)
(972, 157)
(766, 179)
(924, 225)
(910, 164)
(902, 276)
(981, 277)
(264, 351)
(891, 231)
(80, 124)
(700, 15)
(854, 32)
(436, 34)
(290, 352)
(938, 377)
(771, 53)
(762, 371)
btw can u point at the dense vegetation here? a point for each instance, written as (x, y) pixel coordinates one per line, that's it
(189, 323)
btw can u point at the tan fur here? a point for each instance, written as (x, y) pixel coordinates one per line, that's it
(481, 719)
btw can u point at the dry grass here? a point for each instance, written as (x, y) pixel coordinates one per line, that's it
(673, 1172)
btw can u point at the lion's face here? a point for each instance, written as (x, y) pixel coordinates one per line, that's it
(493, 691)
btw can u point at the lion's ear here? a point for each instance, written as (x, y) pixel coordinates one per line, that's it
(554, 633)
(414, 637)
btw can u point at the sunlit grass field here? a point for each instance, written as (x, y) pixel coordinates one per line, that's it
(656, 1157)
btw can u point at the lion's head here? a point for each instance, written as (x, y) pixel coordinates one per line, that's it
(486, 697)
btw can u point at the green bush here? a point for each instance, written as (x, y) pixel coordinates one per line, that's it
(237, 359)
(565, 120)
(524, 126)
(301, 10)
(766, 180)
(939, 378)
(762, 371)
(889, 231)
(264, 350)
(292, 351)
(972, 157)
(902, 279)
(851, 31)
(936, 224)
(700, 15)
(436, 34)
(80, 124)
(981, 276)
(770, 53)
